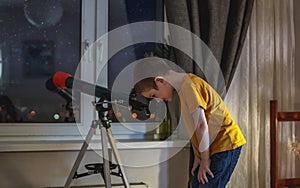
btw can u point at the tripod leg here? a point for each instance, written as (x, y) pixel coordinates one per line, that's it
(106, 166)
(81, 154)
(117, 156)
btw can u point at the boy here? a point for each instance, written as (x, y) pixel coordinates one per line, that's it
(215, 137)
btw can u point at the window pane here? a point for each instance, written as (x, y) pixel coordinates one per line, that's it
(37, 38)
(122, 12)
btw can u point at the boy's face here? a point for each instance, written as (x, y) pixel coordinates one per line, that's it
(164, 90)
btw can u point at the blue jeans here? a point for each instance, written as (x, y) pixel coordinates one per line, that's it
(222, 165)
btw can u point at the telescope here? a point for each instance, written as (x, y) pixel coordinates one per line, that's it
(136, 103)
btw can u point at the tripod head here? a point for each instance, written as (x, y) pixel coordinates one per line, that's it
(138, 106)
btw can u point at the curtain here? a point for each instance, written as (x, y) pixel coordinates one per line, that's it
(222, 25)
(265, 72)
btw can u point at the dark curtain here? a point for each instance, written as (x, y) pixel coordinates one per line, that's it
(221, 25)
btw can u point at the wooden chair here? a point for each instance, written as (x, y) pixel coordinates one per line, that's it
(276, 117)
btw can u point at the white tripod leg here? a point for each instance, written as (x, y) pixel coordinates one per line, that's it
(81, 153)
(106, 166)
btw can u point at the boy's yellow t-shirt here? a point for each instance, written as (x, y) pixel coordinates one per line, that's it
(224, 133)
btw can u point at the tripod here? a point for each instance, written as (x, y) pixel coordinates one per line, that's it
(106, 168)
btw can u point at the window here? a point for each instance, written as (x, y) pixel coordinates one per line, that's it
(39, 38)
(1, 65)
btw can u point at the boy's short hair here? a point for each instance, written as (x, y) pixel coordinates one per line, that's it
(145, 70)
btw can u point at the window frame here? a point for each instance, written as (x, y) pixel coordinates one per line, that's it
(93, 25)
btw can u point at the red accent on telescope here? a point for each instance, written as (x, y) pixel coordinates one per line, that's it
(59, 79)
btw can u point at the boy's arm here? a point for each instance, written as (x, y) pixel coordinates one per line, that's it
(201, 132)
(202, 135)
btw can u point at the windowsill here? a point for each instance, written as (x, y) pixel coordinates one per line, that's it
(74, 143)
(127, 136)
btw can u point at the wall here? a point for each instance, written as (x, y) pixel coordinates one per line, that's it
(297, 69)
(51, 168)
(297, 47)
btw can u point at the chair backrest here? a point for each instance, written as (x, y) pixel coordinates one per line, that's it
(276, 117)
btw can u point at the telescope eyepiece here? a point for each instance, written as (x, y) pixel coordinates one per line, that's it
(139, 105)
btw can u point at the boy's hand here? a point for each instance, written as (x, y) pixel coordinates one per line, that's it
(195, 164)
(203, 170)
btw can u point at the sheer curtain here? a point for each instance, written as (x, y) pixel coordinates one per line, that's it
(265, 72)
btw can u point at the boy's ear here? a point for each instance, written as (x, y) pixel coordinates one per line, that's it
(159, 79)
